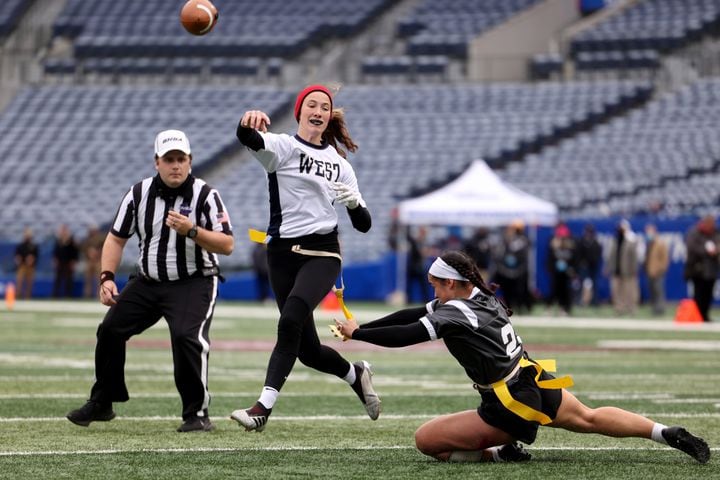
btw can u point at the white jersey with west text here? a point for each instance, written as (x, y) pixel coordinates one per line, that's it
(300, 177)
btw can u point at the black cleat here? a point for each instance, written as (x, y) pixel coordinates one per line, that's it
(514, 452)
(254, 418)
(678, 437)
(92, 411)
(196, 424)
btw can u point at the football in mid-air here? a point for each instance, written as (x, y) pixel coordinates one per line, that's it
(198, 16)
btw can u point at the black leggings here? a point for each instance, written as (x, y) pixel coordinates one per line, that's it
(300, 282)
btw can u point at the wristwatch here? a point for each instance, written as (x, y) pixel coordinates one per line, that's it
(192, 233)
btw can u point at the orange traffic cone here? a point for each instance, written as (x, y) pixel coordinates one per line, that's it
(10, 295)
(688, 312)
(330, 302)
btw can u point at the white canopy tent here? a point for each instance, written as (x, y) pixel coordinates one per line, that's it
(477, 198)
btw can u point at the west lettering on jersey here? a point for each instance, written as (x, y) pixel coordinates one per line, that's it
(327, 170)
(306, 163)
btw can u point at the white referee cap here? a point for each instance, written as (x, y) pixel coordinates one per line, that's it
(169, 140)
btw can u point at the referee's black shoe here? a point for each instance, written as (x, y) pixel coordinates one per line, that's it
(678, 437)
(196, 424)
(92, 411)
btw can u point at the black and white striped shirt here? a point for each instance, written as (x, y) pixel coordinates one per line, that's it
(165, 255)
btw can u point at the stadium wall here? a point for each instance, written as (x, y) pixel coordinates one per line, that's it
(375, 281)
(504, 52)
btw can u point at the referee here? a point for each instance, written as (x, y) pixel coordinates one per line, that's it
(182, 225)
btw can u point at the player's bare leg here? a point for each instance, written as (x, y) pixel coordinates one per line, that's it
(615, 422)
(464, 435)
(575, 416)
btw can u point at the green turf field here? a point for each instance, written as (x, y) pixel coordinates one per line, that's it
(318, 428)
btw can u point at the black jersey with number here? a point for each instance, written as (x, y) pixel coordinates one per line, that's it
(478, 333)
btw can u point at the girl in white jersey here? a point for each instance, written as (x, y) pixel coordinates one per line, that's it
(307, 173)
(518, 395)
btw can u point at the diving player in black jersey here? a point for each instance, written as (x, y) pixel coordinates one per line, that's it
(518, 394)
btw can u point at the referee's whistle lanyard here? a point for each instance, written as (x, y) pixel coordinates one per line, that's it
(518, 408)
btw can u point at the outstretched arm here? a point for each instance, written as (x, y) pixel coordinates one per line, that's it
(395, 336)
(401, 317)
(398, 329)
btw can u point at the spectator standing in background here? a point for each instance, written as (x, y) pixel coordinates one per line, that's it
(416, 264)
(561, 266)
(589, 259)
(394, 229)
(91, 249)
(65, 257)
(26, 256)
(701, 267)
(479, 248)
(511, 261)
(657, 261)
(622, 268)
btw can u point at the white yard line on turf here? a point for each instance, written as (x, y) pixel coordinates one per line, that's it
(689, 345)
(270, 312)
(315, 418)
(657, 398)
(300, 448)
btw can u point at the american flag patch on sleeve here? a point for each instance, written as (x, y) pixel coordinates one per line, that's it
(223, 217)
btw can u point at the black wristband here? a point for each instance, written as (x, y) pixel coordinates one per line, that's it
(106, 275)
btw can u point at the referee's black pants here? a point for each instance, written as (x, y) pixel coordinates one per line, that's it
(300, 282)
(187, 306)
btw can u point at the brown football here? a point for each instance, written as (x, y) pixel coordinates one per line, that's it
(198, 16)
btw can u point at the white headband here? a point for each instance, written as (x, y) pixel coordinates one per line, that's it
(440, 269)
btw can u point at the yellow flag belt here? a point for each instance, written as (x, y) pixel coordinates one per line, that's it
(524, 411)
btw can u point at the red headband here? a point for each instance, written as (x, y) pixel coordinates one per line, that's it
(307, 91)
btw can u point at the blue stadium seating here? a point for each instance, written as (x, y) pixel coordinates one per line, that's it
(272, 28)
(414, 137)
(10, 13)
(69, 152)
(446, 28)
(544, 65)
(650, 26)
(628, 164)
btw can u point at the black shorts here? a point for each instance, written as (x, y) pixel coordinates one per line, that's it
(525, 390)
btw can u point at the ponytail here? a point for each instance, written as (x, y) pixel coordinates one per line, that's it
(337, 134)
(467, 268)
